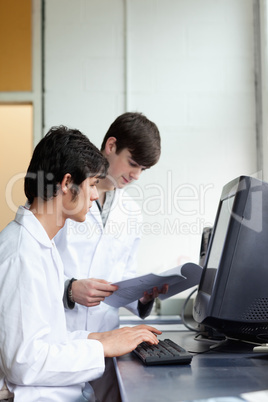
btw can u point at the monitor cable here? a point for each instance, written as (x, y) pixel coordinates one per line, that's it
(183, 312)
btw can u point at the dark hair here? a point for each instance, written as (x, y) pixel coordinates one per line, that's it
(62, 151)
(139, 135)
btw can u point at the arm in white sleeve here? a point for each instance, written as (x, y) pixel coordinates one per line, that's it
(36, 348)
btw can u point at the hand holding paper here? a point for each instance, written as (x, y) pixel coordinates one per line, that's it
(155, 292)
(179, 279)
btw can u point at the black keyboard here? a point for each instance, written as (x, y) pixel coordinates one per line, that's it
(166, 352)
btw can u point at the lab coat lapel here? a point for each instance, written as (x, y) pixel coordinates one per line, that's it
(117, 222)
(94, 212)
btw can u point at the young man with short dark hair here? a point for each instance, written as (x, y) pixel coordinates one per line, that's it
(40, 359)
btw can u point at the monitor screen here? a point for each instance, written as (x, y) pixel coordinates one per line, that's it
(213, 261)
(232, 297)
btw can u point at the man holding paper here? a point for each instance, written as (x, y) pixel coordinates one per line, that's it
(105, 245)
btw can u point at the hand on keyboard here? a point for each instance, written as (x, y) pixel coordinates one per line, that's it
(166, 352)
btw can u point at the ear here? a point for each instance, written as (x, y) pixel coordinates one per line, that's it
(66, 182)
(110, 145)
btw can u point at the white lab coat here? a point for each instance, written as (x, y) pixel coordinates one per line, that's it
(39, 359)
(90, 251)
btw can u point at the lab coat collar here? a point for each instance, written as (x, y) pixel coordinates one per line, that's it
(27, 219)
(95, 212)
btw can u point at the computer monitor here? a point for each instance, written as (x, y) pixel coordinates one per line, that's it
(232, 296)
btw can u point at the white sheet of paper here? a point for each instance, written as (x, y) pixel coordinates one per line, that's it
(260, 396)
(179, 279)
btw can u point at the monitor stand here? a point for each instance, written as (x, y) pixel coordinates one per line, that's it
(208, 335)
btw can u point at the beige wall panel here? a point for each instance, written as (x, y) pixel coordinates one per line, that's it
(15, 153)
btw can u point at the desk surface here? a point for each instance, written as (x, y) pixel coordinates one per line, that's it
(228, 371)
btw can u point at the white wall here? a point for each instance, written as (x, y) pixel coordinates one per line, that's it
(264, 84)
(186, 64)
